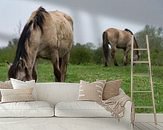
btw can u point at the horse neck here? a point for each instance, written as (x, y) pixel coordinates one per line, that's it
(136, 46)
(31, 60)
(31, 55)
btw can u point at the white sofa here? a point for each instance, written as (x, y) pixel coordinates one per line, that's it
(65, 112)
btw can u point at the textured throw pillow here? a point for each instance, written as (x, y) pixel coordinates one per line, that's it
(17, 84)
(91, 91)
(5, 85)
(16, 95)
(111, 89)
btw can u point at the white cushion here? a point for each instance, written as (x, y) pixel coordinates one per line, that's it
(18, 84)
(26, 109)
(80, 109)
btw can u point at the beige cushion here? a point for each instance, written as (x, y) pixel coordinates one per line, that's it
(18, 84)
(16, 95)
(111, 89)
(91, 91)
(5, 85)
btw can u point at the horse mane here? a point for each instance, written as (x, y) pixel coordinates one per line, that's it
(135, 41)
(127, 30)
(136, 44)
(39, 18)
(37, 22)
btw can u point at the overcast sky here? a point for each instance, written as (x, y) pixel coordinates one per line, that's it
(91, 17)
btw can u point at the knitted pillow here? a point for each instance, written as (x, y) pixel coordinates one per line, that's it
(91, 91)
(5, 85)
(17, 84)
(16, 95)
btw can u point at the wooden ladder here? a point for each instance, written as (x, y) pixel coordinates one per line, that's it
(141, 75)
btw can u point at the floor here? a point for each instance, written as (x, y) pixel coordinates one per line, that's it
(145, 122)
(148, 126)
(142, 122)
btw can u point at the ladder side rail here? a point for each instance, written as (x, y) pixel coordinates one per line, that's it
(132, 49)
(151, 82)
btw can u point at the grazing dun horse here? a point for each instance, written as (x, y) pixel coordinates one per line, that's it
(47, 35)
(118, 39)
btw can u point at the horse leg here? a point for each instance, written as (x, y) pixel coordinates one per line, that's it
(105, 48)
(63, 66)
(106, 54)
(34, 73)
(55, 62)
(125, 59)
(113, 56)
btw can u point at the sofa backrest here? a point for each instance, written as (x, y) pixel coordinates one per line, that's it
(55, 92)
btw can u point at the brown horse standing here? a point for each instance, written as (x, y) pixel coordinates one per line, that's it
(47, 35)
(120, 39)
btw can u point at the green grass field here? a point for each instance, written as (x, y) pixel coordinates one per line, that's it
(92, 72)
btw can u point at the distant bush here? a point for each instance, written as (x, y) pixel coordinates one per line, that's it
(98, 56)
(88, 53)
(7, 54)
(80, 54)
(156, 57)
(155, 36)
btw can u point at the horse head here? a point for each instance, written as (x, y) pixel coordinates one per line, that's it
(19, 71)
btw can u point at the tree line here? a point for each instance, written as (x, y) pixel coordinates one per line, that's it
(88, 53)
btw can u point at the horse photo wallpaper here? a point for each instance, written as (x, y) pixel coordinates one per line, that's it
(73, 40)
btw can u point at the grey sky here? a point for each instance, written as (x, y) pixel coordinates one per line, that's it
(91, 17)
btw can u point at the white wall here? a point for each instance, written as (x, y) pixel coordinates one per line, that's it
(91, 17)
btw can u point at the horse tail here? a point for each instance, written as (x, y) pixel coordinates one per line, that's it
(105, 47)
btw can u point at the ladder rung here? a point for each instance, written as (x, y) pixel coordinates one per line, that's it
(144, 107)
(141, 75)
(142, 91)
(140, 49)
(145, 62)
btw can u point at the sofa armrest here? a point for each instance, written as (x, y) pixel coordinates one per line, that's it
(127, 112)
(126, 120)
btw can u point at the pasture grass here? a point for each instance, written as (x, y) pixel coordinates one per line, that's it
(91, 72)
